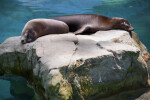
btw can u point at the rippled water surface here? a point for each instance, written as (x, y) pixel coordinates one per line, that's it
(15, 13)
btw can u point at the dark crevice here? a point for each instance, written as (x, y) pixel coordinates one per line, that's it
(101, 47)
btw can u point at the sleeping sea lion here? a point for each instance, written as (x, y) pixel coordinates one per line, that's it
(91, 23)
(39, 27)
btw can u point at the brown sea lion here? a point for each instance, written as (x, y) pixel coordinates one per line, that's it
(91, 23)
(39, 27)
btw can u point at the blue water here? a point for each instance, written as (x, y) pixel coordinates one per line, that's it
(15, 13)
(14, 87)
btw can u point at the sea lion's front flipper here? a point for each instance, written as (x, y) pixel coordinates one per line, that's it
(84, 29)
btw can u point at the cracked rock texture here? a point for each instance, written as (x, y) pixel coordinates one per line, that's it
(78, 67)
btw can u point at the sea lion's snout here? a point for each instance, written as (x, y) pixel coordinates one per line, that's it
(23, 40)
(131, 29)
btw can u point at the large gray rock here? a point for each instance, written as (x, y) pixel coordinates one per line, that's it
(86, 67)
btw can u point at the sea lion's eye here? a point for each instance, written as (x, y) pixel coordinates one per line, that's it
(31, 35)
(122, 23)
(126, 24)
(28, 36)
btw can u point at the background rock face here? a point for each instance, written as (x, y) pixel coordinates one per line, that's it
(86, 67)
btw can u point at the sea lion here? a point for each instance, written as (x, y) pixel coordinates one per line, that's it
(91, 23)
(39, 27)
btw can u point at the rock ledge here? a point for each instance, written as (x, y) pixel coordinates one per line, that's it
(86, 67)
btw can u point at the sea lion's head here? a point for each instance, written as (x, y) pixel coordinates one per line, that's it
(123, 24)
(28, 36)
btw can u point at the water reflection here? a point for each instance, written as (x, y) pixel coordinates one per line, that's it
(4, 90)
(115, 2)
(61, 6)
(16, 88)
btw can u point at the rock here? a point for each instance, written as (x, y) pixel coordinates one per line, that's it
(137, 94)
(78, 67)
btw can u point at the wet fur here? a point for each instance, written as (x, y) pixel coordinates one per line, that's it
(91, 23)
(39, 27)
